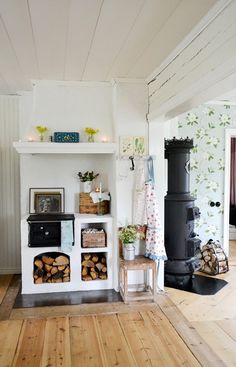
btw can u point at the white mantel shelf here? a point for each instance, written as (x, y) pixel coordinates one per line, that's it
(64, 148)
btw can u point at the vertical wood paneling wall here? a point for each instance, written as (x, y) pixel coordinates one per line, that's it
(9, 186)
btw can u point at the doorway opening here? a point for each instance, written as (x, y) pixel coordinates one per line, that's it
(229, 210)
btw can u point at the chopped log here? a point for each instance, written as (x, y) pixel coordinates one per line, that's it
(99, 266)
(84, 270)
(94, 275)
(38, 280)
(54, 270)
(58, 275)
(103, 260)
(88, 263)
(66, 270)
(87, 277)
(59, 280)
(61, 260)
(61, 267)
(38, 263)
(47, 260)
(66, 279)
(104, 269)
(47, 267)
(95, 258)
(87, 256)
(39, 272)
(102, 276)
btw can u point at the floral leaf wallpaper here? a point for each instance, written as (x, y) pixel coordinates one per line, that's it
(206, 125)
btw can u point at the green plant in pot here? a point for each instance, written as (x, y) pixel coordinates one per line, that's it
(86, 178)
(128, 236)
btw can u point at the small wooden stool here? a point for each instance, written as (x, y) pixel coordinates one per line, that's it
(140, 263)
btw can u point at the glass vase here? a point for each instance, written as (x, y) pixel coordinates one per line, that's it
(91, 138)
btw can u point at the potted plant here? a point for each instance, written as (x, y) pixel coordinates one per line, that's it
(86, 178)
(128, 236)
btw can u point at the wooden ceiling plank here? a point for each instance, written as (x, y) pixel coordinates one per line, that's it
(149, 22)
(50, 21)
(115, 22)
(199, 60)
(180, 23)
(15, 15)
(9, 65)
(212, 37)
(82, 22)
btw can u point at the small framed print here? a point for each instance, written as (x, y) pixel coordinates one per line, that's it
(139, 145)
(132, 145)
(126, 145)
(46, 200)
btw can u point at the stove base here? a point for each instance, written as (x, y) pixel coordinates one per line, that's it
(198, 284)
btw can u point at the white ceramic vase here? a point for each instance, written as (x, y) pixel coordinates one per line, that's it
(87, 186)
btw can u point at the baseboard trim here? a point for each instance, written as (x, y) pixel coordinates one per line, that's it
(10, 271)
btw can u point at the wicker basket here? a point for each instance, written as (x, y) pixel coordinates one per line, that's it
(95, 239)
(87, 206)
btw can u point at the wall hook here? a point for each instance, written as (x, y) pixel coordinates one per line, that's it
(132, 163)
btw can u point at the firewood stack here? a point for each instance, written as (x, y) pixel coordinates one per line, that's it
(214, 260)
(51, 269)
(94, 266)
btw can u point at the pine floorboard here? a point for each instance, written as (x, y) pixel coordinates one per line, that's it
(4, 284)
(213, 317)
(129, 339)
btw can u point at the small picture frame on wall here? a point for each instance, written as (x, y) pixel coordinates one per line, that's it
(46, 200)
(132, 145)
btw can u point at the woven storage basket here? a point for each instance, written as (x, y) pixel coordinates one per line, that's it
(95, 239)
(87, 206)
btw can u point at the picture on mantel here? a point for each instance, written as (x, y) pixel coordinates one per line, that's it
(132, 145)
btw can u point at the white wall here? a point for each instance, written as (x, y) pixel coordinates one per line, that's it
(69, 107)
(130, 105)
(9, 186)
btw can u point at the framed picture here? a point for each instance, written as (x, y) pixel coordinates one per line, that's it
(46, 200)
(126, 145)
(132, 145)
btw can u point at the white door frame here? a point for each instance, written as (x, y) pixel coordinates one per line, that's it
(229, 133)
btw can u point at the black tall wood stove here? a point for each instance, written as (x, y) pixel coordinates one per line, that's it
(182, 246)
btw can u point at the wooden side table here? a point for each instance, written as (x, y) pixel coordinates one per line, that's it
(140, 263)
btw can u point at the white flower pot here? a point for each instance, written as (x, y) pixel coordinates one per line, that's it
(86, 186)
(129, 251)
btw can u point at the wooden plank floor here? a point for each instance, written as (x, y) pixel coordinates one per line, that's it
(180, 329)
(213, 317)
(4, 284)
(127, 339)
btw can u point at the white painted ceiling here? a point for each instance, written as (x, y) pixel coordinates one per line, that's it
(96, 40)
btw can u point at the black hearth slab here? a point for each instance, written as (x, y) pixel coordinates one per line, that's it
(66, 298)
(202, 285)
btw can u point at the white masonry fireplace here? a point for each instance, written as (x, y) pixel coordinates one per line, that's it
(48, 266)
